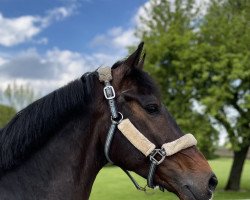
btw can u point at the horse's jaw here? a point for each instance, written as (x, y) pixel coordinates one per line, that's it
(191, 179)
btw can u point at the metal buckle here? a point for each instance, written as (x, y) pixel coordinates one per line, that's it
(109, 92)
(157, 152)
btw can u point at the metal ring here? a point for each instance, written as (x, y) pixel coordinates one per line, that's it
(118, 119)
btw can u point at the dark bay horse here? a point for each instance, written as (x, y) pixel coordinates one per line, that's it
(54, 148)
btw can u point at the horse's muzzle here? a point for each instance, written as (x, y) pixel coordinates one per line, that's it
(199, 192)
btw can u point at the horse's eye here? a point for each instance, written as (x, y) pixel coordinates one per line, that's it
(152, 108)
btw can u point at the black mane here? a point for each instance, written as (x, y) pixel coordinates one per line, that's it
(32, 126)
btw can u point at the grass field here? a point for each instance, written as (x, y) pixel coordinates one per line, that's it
(112, 184)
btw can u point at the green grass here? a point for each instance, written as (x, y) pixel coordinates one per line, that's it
(113, 183)
(221, 168)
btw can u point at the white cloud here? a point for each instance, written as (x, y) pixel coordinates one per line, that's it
(68, 65)
(125, 38)
(17, 30)
(57, 14)
(48, 71)
(144, 11)
(2, 61)
(117, 38)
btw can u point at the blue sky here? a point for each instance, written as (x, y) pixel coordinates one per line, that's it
(45, 44)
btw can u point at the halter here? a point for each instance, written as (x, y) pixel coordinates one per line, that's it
(135, 137)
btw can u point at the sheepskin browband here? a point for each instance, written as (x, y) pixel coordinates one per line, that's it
(135, 137)
(147, 147)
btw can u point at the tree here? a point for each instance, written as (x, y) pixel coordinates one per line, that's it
(224, 54)
(204, 61)
(170, 39)
(17, 96)
(6, 113)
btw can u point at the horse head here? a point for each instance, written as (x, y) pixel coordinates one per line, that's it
(186, 172)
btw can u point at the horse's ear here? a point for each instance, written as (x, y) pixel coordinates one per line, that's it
(134, 59)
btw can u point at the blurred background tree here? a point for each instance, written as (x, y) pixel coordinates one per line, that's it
(170, 38)
(201, 62)
(223, 54)
(12, 99)
(17, 96)
(6, 113)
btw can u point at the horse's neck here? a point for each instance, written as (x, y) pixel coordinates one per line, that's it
(65, 168)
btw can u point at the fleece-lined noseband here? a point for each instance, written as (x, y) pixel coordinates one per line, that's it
(135, 137)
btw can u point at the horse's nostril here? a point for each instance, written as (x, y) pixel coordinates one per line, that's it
(212, 182)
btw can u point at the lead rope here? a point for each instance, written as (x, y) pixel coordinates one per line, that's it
(116, 117)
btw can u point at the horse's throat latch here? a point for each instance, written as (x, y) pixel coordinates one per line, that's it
(135, 137)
